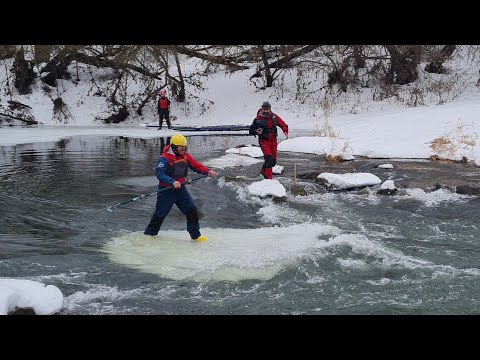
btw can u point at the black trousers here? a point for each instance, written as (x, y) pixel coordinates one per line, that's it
(164, 113)
(165, 200)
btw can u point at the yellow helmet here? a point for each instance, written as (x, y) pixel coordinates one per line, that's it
(178, 139)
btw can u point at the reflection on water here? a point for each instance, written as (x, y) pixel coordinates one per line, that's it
(324, 253)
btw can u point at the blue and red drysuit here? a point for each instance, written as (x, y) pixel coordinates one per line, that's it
(173, 167)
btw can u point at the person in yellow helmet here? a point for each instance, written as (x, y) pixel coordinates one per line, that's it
(171, 170)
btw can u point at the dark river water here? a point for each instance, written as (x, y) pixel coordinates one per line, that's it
(352, 252)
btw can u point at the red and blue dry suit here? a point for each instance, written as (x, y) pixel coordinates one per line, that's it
(173, 167)
(268, 138)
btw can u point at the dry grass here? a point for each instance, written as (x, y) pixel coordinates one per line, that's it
(460, 135)
(325, 129)
(333, 158)
(443, 145)
(469, 139)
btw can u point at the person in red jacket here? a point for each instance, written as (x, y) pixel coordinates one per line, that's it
(163, 109)
(172, 169)
(265, 126)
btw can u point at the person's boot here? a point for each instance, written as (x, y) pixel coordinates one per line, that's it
(201, 238)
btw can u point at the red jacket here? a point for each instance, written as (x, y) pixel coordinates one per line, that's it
(169, 163)
(268, 124)
(163, 103)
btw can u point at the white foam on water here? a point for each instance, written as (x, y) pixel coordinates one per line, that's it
(434, 198)
(229, 254)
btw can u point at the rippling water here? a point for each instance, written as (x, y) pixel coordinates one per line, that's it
(324, 253)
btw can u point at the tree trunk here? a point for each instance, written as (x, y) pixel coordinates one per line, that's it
(337, 76)
(359, 61)
(403, 63)
(24, 74)
(228, 62)
(149, 95)
(18, 111)
(180, 97)
(285, 61)
(120, 116)
(42, 53)
(268, 74)
(57, 68)
(436, 66)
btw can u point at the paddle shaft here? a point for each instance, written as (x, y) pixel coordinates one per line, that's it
(110, 208)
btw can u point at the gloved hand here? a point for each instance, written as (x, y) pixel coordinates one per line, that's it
(286, 135)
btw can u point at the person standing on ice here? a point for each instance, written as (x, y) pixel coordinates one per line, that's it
(172, 169)
(163, 109)
(265, 126)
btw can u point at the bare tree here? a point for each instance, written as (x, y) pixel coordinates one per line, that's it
(153, 67)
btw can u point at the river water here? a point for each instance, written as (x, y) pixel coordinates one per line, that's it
(351, 252)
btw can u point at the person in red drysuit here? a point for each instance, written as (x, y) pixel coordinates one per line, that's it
(265, 126)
